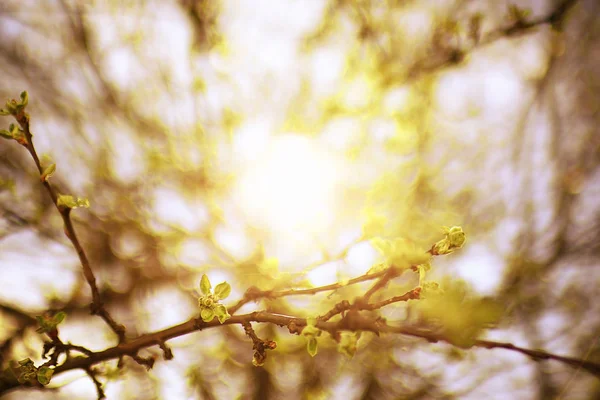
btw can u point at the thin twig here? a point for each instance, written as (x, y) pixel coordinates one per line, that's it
(254, 293)
(92, 374)
(97, 306)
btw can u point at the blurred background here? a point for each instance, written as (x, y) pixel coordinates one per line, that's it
(264, 143)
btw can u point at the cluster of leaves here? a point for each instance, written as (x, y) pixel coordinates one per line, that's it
(26, 373)
(49, 323)
(209, 300)
(15, 108)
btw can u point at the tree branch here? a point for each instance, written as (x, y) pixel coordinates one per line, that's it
(97, 306)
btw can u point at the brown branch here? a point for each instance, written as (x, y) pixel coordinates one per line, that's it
(390, 273)
(253, 293)
(352, 321)
(92, 374)
(455, 54)
(410, 295)
(97, 306)
(540, 355)
(372, 325)
(345, 305)
(259, 346)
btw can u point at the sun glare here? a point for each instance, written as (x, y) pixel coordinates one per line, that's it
(292, 186)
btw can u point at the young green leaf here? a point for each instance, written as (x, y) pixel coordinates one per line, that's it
(59, 317)
(6, 134)
(221, 313)
(222, 290)
(311, 346)
(205, 285)
(207, 314)
(44, 375)
(68, 201)
(81, 202)
(48, 172)
(24, 98)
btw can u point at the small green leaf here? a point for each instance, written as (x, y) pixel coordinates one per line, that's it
(82, 202)
(65, 200)
(59, 317)
(48, 172)
(24, 98)
(11, 106)
(224, 317)
(4, 112)
(44, 375)
(68, 201)
(6, 134)
(311, 346)
(207, 314)
(205, 285)
(222, 290)
(27, 362)
(221, 313)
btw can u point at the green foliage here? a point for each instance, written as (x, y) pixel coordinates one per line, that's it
(68, 201)
(311, 332)
(400, 252)
(209, 302)
(460, 315)
(49, 323)
(25, 372)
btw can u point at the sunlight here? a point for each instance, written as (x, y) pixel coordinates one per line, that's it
(291, 187)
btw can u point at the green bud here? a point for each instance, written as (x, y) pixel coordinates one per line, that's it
(455, 239)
